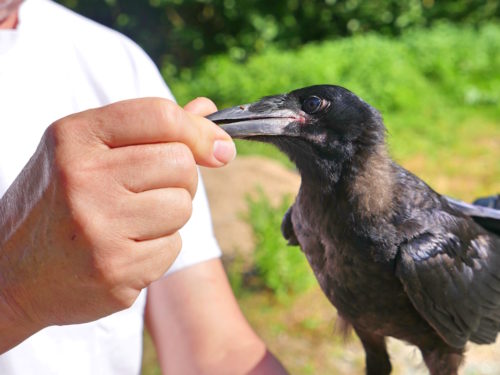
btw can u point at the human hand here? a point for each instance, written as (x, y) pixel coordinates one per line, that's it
(93, 217)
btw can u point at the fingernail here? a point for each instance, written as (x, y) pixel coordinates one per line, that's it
(224, 151)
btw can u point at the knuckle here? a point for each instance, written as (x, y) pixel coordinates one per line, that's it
(123, 299)
(105, 274)
(176, 243)
(58, 130)
(68, 130)
(170, 252)
(170, 114)
(182, 156)
(183, 160)
(73, 177)
(55, 139)
(106, 259)
(53, 132)
(165, 257)
(193, 185)
(68, 176)
(70, 167)
(128, 299)
(113, 284)
(185, 205)
(178, 160)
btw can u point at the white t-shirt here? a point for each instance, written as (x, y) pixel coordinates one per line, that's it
(56, 63)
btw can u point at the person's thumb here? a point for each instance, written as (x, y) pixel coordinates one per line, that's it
(223, 149)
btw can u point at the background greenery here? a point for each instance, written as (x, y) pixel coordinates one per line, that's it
(181, 32)
(432, 69)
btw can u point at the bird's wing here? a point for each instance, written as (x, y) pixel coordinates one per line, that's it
(287, 228)
(451, 273)
(485, 211)
(493, 201)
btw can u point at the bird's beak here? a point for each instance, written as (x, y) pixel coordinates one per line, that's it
(250, 120)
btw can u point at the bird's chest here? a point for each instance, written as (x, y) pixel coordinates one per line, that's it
(344, 265)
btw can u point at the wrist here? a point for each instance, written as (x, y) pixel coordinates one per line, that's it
(13, 327)
(15, 324)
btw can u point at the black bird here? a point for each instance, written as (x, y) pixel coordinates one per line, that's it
(395, 257)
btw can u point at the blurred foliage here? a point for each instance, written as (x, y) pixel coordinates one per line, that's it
(181, 32)
(279, 267)
(464, 62)
(407, 73)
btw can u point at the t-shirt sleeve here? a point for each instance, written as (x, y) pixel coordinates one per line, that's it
(198, 240)
(148, 80)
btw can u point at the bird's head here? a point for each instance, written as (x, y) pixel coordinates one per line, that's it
(321, 128)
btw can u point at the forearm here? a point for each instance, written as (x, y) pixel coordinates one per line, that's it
(15, 325)
(198, 327)
(15, 243)
(238, 353)
(236, 357)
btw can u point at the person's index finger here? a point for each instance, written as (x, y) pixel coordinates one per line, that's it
(155, 120)
(134, 122)
(201, 106)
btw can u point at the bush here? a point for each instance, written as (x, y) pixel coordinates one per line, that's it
(182, 32)
(373, 67)
(281, 268)
(464, 62)
(410, 73)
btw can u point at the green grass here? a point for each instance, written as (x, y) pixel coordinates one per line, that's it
(280, 268)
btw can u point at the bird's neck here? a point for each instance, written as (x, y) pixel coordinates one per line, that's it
(369, 183)
(320, 169)
(363, 184)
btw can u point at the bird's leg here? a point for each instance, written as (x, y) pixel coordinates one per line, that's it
(377, 359)
(287, 228)
(442, 362)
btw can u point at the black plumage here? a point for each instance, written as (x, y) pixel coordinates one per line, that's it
(395, 257)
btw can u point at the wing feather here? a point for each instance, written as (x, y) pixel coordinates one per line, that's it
(451, 273)
(486, 216)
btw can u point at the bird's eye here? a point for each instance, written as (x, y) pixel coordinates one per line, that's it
(313, 104)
